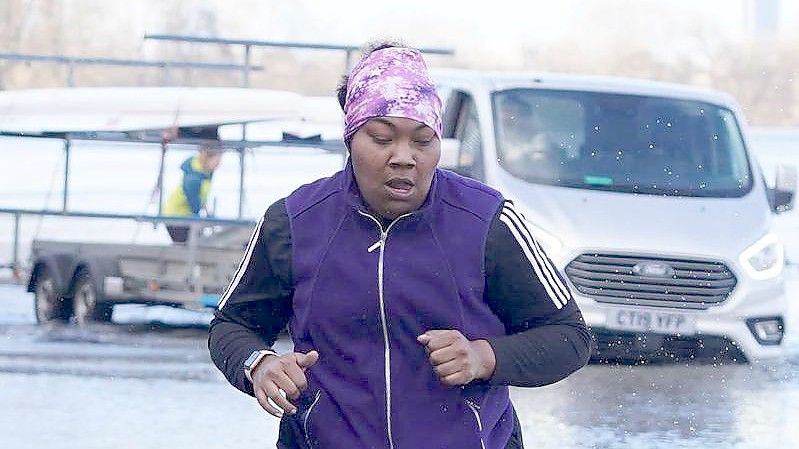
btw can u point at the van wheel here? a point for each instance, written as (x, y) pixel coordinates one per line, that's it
(85, 307)
(47, 304)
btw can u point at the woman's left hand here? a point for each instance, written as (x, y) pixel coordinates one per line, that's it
(456, 360)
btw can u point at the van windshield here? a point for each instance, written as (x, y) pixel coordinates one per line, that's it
(624, 143)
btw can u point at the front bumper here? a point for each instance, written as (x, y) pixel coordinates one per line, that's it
(726, 321)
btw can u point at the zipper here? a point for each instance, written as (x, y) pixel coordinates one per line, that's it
(381, 244)
(308, 415)
(476, 411)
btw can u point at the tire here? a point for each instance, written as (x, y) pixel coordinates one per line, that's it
(85, 306)
(48, 305)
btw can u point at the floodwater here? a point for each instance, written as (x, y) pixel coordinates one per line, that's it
(146, 381)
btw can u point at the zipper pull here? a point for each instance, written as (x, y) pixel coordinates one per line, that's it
(374, 246)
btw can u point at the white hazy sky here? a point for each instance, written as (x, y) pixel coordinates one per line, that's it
(502, 19)
(495, 21)
(501, 34)
(428, 22)
(500, 28)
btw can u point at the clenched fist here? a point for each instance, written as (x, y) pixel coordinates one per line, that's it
(281, 379)
(456, 360)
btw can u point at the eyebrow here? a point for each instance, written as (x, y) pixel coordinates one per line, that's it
(391, 125)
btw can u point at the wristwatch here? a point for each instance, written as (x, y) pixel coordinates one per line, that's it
(254, 359)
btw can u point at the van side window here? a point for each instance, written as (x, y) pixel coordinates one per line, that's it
(461, 122)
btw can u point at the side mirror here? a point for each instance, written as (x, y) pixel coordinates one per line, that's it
(450, 148)
(782, 195)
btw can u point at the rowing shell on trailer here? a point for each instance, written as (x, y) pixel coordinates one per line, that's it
(111, 109)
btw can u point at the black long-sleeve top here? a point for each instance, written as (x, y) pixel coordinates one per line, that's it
(546, 338)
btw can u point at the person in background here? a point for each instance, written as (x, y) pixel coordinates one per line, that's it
(189, 198)
(414, 296)
(524, 140)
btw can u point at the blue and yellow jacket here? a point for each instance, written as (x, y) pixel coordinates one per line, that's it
(190, 196)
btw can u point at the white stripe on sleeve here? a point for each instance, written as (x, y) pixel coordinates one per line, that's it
(245, 261)
(526, 248)
(538, 252)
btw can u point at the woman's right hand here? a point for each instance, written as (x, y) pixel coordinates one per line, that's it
(281, 379)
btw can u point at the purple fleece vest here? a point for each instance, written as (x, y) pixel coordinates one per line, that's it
(433, 278)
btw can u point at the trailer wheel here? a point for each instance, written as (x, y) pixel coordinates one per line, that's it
(85, 307)
(47, 304)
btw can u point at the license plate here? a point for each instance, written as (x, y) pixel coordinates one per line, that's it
(651, 321)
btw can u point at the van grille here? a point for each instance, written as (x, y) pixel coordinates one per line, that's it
(678, 283)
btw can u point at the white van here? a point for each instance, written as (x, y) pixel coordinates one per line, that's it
(646, 198)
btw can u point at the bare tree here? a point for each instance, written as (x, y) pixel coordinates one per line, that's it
(15, 16)
(200, 19)
(631, 38)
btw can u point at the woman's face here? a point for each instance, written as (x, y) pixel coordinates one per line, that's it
(394, 160)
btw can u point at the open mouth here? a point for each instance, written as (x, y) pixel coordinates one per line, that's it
(400, 187)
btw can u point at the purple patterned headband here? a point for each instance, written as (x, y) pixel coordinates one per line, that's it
(392, 82)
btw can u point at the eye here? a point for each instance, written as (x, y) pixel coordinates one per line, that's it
(424, 141)
(380, 140)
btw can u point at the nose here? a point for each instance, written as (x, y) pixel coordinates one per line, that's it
(403, 155)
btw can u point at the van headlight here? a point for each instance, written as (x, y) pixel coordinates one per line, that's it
(551, 244)
(764, 259)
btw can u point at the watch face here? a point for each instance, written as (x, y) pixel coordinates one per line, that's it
(251, 359)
